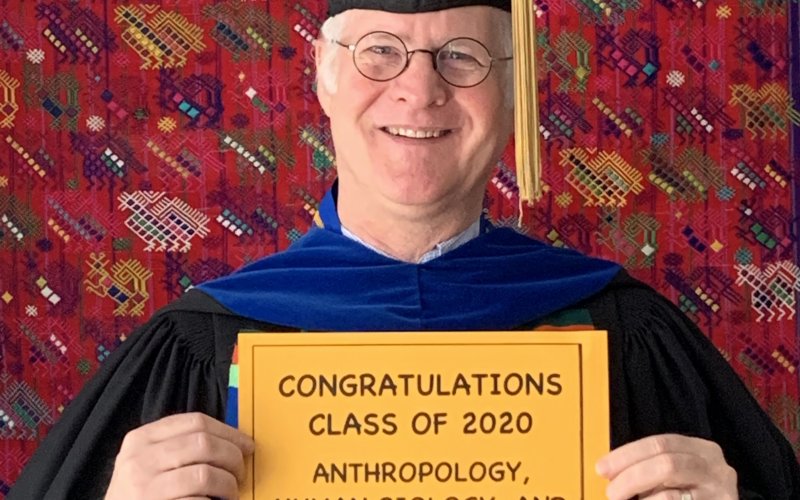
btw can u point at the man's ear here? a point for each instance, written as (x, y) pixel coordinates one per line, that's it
(323, 95)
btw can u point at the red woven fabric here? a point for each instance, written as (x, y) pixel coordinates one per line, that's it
(670, 146)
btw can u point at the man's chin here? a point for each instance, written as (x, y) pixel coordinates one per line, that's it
(415, 199)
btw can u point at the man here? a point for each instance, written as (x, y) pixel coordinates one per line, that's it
(420, 113)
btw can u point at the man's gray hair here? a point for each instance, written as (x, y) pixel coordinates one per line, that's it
(333, 29)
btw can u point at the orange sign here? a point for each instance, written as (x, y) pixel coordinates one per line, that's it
(428, 416)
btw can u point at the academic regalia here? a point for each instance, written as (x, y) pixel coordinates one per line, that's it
(665, 376)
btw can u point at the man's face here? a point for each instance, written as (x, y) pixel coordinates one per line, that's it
(473, 124)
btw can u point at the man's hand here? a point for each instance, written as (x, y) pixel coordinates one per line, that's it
(189, 455)
(669, 467)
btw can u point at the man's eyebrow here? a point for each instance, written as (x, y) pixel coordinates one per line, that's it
(439, 41)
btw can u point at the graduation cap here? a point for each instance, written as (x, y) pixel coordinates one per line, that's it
(526, 103)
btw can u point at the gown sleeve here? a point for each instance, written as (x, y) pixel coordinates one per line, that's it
(165, 367)
(667, 377)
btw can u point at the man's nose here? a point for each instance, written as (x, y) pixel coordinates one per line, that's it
(420, 84)
(430, 53)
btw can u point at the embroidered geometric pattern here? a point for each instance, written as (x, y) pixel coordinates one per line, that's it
(162, 39)
(165, 224)
(773, 289)
(602, 178)
(126, 284)
(8, 99)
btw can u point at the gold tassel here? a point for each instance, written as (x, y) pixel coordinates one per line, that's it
(526, 103)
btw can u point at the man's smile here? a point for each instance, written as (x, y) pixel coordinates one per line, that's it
(416, 133)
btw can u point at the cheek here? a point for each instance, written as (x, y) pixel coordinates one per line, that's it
(490, 119)
(351, 126)
(491, 129)
(486, 103)
(352, 103)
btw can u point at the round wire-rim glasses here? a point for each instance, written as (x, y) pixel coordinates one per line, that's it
(382, 56)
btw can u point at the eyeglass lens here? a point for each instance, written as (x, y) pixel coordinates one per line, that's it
(382, 56)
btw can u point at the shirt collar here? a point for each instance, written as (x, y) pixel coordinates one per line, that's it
(440, 249)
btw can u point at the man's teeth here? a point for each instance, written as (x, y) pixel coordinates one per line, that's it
(415, 134)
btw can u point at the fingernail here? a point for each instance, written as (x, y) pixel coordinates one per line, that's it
(601, 468)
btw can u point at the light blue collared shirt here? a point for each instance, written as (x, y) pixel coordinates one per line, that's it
(440, 249)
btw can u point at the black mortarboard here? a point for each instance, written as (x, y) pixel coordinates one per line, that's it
(526, 104)
(410, 6)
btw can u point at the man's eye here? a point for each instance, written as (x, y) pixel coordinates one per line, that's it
(452, 55)
(383, 50)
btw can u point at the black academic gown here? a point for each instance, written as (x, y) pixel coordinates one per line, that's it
(665, 376)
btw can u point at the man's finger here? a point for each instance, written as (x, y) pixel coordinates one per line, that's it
(184, 423)
(200, 480)
(196, 448)
(666, 495)
(662, 472)
(642, 449)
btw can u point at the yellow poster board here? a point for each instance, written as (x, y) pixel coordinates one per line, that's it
(433, 416)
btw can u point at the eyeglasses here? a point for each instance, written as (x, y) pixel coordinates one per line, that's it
(382, 56)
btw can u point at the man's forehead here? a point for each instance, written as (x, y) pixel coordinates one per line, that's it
(430, 27)
(410, 6)
(469, 21)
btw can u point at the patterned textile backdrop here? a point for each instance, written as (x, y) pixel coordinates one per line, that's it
(146, 147)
